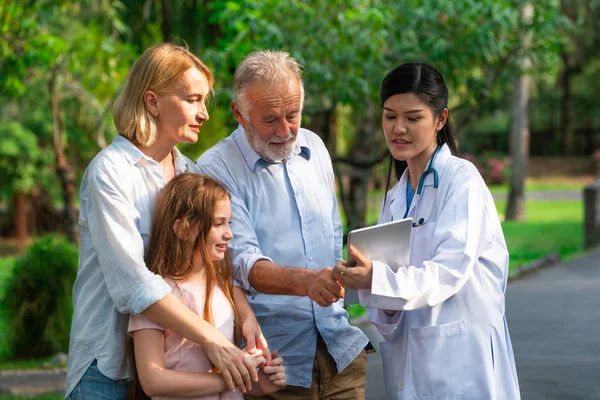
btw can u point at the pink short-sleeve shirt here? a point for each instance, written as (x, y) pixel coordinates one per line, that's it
(182, 354)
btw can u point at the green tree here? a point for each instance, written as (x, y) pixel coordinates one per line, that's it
(20, 163)
(583, 42)
(347, 46)
(78, 55)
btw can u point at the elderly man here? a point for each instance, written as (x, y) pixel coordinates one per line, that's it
(287, 231)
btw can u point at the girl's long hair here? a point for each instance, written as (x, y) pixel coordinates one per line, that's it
(425, 82)
(192, 199)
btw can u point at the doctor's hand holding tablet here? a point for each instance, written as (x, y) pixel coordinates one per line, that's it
(437, 298)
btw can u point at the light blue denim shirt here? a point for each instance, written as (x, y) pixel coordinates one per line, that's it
(116, 202)
(286, 212)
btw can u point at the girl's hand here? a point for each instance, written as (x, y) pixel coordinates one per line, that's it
(355, 277)
(270, 377)
(254, 338)
(257, 357)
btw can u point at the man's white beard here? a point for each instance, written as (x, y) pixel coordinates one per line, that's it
(265, 150)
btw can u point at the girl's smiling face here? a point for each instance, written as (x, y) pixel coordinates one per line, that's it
(220, 234)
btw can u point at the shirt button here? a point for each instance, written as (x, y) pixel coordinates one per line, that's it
(401, 386)
(310, 258)
(304, 226)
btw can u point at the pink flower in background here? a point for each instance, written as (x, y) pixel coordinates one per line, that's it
(471, 158)
(596, 155)
(468, 156)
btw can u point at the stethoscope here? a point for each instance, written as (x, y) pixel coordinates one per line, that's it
(436, 182)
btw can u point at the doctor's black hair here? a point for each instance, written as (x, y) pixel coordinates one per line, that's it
(425, 82)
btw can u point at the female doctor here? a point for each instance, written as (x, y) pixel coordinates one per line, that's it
(442, 317)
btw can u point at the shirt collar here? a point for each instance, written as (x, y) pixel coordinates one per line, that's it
(251, 157)
(133, 154)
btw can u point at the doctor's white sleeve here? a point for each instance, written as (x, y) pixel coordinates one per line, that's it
(456, 240)
(388, 326)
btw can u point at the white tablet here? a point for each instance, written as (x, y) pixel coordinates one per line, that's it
(388, 243)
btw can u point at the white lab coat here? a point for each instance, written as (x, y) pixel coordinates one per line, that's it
(450, 339)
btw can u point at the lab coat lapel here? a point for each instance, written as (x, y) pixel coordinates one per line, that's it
(398, 200)
(425, 200)
(427, 195)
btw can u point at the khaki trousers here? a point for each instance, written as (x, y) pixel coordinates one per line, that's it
(327, 383)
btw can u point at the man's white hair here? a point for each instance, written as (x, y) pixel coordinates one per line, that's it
(265, 68)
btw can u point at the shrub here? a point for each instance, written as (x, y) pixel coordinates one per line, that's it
(494, 168)
(38, 301)
(596, 160)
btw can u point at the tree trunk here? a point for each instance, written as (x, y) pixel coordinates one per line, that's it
(324, 124)
(565, 108)
(519, 133)
(21, 216)
(167, 20)
(365, 153)
(63, 169)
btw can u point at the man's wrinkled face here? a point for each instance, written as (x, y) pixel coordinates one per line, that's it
(273, 119)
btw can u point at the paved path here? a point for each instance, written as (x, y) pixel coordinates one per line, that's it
(32, 382)
(554, 321)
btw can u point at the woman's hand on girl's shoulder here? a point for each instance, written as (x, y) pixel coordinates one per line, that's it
(271, 377)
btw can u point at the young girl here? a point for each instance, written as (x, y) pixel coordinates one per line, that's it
(442, 317)
(188, 248)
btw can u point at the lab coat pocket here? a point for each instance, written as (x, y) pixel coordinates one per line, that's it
(390, 362)
(325, 207)
(440, 361)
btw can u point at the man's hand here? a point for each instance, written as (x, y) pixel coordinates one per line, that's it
(236, 366)
(358, 276)
(323, 288)
(254, 338)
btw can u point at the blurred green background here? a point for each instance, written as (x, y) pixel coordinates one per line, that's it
(62, 63)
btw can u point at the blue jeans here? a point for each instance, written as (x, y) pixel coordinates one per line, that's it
(95, 386)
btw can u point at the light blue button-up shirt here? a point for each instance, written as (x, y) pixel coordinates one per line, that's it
(116, 202)
(286, 212)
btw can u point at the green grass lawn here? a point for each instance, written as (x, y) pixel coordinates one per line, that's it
(550, 226)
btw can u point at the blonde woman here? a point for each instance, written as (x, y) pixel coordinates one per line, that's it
(162, 103)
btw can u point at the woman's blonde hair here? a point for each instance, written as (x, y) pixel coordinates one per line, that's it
(159, 69)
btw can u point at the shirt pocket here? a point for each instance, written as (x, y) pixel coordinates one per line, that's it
(440, 361)
(325, 208)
